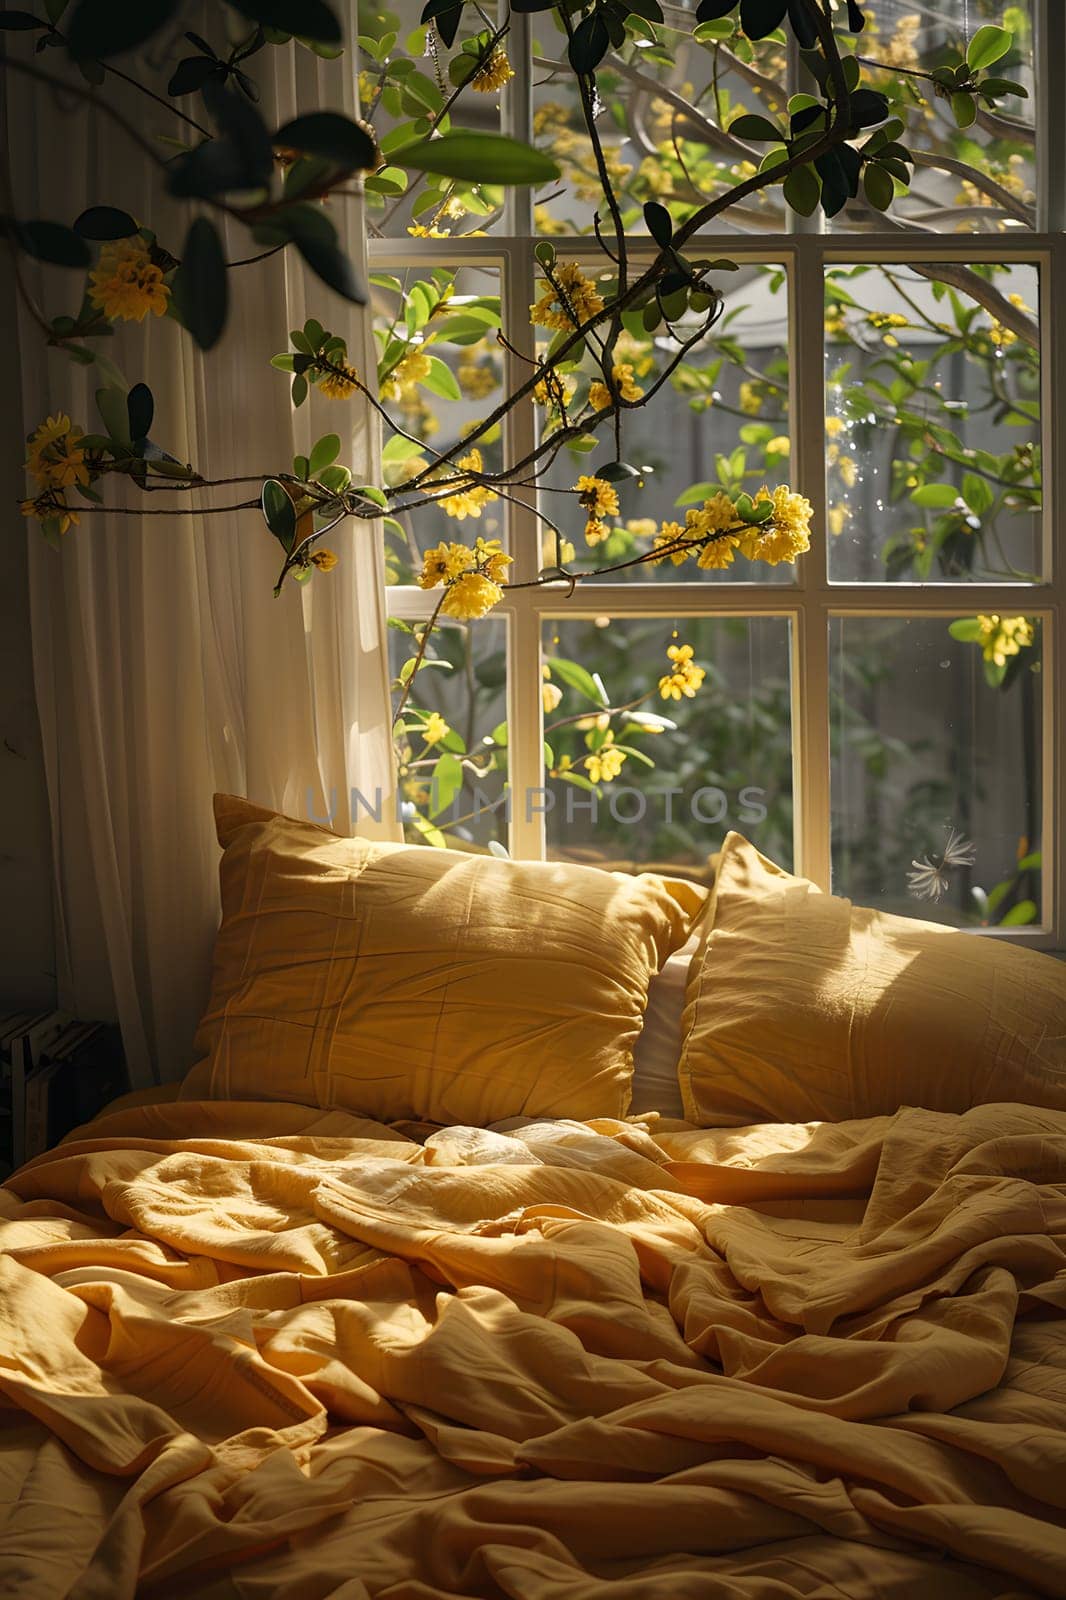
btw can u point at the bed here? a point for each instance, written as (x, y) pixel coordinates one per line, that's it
(261, 1348)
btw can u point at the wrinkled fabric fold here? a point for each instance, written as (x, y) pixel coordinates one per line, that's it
(265, 1350)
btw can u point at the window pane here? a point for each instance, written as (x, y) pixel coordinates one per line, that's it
(936, 742)
(452, 752)
(626, 793)
(664, 136)
(933, 423)
(909, 37)
(439, 373)
(403, 88)
(719, 423)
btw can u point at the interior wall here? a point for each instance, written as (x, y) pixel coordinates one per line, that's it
(27, 942)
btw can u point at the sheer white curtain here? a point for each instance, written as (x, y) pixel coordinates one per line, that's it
(164, 667)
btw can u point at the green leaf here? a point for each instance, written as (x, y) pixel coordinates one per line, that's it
(880, 190)
(987, 45)
(327, 260)
(19, 21)
(1025, 910)
(105, 222)
(440, 380)
(329, 134)
(111, 404)
(52, 242)
(324, 453)
(102, 28)
(935, 496)
(140, 409)
(299, 390)
(590, 43)
(307, 19)
(964, 108)
(279, 513)
(802, 190)
(755, 128)
(978, 494)
(659, 223)
(760, 17)
(477, 157)
(445, 782)
(576, 677)
(966, 629)
(201, 291)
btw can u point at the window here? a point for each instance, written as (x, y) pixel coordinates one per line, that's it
(897, 692)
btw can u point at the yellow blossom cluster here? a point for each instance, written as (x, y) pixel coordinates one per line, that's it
(493, 72)
(684, 676)
(715, 531)
(901, 50)
(338, 381)
(1002, 336)
(622, 376)
(1001, 637)
(324, 560)
(572, 299)
(126, 284)
(598, 499)
(434, 729)
(472, 576)
(550, 693)
(55, 459)
(554, 391)
(477, 378)
(408, 371)
(606, 763)
(469, 500)
(750, 399)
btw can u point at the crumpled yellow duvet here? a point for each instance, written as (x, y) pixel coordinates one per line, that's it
(264, 1351)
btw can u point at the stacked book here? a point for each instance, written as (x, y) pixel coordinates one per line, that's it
(56, 1072)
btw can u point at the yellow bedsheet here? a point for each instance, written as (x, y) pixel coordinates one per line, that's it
(270, 1352)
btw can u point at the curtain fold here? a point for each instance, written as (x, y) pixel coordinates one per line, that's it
(164, 668)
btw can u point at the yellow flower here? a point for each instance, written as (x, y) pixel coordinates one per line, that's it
(684, 677)
(848, 471)
(325, 560)
(600, 396)
(55, 457)
(781, 445)
(714, 516)
(434, 729)
(669, 534)
(468, 502)
(554, 391)
(493, 73)
(642, 527)
(551, 694)
(443, 563)
(51, 506)
(471, 595)
(410, 368)
(606, 762)
(573, 299)
(837, 518)
(886, 319)
(477, 378)
(750, 399)
(1003, 636)
(491, 560)
(596, 531)
(597, 496)
(419, 230)
(126, 284)
(718, 553)
(338, 384)
(834, 427)
(785, 535)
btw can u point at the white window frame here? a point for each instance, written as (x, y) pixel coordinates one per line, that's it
(812, 600)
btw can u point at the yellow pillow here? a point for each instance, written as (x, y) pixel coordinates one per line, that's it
(800, 1006)
(407, 982)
